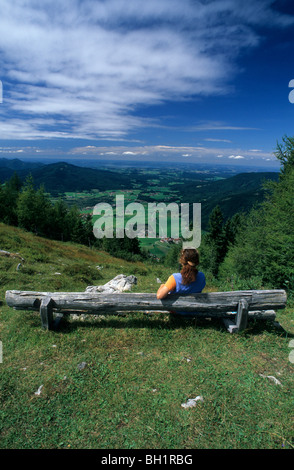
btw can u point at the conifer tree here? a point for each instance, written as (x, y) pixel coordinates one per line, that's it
(34, 208)
(214, 243)
(8, 200)
(264, 248)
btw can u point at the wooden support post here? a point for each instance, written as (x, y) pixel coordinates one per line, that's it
(241, 320)
(230, 325)
(242, 315)
(46, 313)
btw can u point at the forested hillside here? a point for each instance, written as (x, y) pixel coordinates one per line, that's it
(58, 178)
(258, 247)
(249, 218)
(235, 194)
(86, 384)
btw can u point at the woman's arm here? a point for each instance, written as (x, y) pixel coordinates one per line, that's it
(164, 289)
(162, 292)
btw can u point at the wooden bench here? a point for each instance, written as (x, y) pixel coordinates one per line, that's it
(235, 308)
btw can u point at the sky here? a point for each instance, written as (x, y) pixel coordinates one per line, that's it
(200, 81)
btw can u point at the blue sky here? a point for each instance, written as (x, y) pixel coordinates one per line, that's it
(170, 80)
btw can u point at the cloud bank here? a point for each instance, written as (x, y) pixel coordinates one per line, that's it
(83, 68)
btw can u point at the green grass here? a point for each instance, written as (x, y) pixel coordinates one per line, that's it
(137, 374)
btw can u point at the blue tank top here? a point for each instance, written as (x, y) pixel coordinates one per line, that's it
(193, 288)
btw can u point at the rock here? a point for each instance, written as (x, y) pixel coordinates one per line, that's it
(82, 365)
(11, 255)
(187, 359)
(120, 283)
(38, 392)
(272, 378)
(192, 402)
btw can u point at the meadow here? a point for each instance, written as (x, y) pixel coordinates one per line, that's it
(118, 382)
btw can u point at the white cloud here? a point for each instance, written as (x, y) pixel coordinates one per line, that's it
(145, 152)
(171, 152)
(218, 140)
(218, 126)
(80, 68)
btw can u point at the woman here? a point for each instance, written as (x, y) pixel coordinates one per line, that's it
(188, 281)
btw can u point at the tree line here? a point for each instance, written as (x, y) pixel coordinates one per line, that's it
(257, 247)
(254, 249)
(31, 208)
(24, 206)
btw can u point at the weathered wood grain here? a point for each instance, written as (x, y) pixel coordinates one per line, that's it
(46, 312)
(214, 303)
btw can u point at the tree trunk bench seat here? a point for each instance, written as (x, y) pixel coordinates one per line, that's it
(234, 307)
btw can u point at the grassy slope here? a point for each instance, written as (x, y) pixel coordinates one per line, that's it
(137, 375)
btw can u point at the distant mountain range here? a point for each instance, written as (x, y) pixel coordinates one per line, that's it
(64, 177)
(233, 194)
(15, 164)
(238, 193)
(9, 166)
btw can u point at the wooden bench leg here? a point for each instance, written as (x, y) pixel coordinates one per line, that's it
(46, 313)
(242, 315)
(230, 325)
(241, 320)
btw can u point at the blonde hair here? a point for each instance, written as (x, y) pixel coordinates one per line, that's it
(189, 260)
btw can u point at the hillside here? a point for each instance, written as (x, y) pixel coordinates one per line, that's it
(43, 259)
(118, 382)
(238, 193)
(15, 164)
(9, 166)
(62, 177)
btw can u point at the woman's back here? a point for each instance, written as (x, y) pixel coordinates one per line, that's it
(192, 288)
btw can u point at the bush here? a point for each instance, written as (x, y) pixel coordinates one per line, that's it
(234, 282)
(264, 248)
(82, 273)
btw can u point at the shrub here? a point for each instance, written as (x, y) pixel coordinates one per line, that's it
(83, 273)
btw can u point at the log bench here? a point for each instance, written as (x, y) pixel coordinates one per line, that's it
(235, 308)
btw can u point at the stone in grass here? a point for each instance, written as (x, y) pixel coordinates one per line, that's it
(191, 402)
(82, 365)
(272, 378)
(120, 283)
(38, 392)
